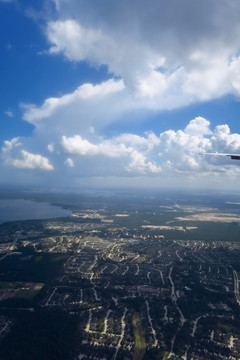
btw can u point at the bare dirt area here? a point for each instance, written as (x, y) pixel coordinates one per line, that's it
(214, 217)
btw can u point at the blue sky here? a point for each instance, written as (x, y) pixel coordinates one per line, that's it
(121, 93)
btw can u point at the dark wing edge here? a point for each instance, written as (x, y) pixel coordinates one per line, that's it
(232, 156)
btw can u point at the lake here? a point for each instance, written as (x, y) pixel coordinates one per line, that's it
(13, 210)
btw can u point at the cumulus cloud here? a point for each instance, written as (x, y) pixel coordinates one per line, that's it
(10, 144)
(198, 126)
(157, 57)
(119, 147)
(27, 160)
(32, 161)
(78, 146)
(160, 55)
(50, 148)
(69, 162)
(148, 141)
(84, 92)
(86, 110)
(86, 45)
(170, 151)
(140, 164)
(224, 141)
(171, 156)
(79, 43)
(158, 52)
(200, 77)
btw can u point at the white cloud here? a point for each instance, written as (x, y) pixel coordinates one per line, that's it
(77, 146)
(224, 141)
(148, 142)
(10, 144)
(198, 126)
(83, 100)
(171, 156)
(162, 56)
(78, 43)
(50, 148)
(69, 162)
(170, 152)
(9, 113)
(32, 161)
(28, 160)
(140, 164)
(123, 147)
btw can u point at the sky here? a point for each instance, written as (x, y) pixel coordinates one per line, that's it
(104, 94)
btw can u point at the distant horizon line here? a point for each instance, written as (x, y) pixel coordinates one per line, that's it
(111, 190)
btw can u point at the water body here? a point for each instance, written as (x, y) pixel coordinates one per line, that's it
(13, 210)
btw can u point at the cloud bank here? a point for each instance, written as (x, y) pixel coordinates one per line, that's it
(170, 53)
(160, 55)
(168, 155)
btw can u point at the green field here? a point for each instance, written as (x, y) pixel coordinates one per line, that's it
(25, 290)
(139, 338)
(19, 294)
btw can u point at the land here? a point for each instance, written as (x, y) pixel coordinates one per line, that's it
(123, 277)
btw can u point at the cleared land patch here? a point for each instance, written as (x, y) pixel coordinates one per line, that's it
(219, 217)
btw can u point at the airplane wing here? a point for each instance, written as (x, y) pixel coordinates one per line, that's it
(232, 156)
